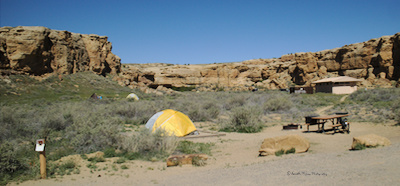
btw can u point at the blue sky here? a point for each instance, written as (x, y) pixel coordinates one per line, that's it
(209, 31)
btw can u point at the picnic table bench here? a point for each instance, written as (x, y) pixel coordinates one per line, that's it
(339, 125)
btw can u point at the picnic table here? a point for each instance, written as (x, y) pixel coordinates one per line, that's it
(337, 122)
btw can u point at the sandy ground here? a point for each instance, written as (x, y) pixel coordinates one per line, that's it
(235, 161)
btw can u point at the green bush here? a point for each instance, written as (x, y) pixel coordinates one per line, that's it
(290, 151)
(278, 103)
(189, 147)
(120, 160)
(96, 159)
(243, 119)
(396, 110)
(10, 164)
(280, 152)
(148, 144)
(359, 146)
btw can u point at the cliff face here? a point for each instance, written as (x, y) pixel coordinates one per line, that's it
(376, 61)
(39, 50)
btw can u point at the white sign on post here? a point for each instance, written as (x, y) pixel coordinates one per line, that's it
(39, 145)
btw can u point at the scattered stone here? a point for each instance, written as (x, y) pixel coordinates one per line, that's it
(175, 160)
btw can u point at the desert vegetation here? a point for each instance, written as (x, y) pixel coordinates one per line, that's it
(376, 105)
(60, 111)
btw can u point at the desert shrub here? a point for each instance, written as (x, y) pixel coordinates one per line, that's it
(243, 119)
(96, 159)
(290, 151)
(9, 163)
(234, 101)
(92, 132)
(196, 114)
(278, 103)
(120, 160)
(280, 152)
(17, 162)
(375, 105)
(315, 100)
(148, 144)
(359, 146)
(134, 112)
(189, 147)
(132, 155)
(61, 169)
(378, 97)
(396, 110)
(211, 109)
(56, 152)
(197, 161)
(109, 152)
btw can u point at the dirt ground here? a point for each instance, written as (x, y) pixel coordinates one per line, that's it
(235, 161)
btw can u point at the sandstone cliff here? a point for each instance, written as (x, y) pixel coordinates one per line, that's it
(40, 51)
(376, 61)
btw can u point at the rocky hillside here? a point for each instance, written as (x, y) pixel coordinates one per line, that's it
(376, 61)
(40, 51)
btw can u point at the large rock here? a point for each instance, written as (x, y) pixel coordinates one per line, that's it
(39, 51)
(185, 159)
(370, 140)
(271, 145)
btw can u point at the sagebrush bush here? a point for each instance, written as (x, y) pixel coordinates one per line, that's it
(396, 109)
(9, 162)
(374, 105)
(147, 144)
(189, 147)
(278, 103)
(243, 119)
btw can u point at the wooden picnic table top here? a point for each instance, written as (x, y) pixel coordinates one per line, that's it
(330, 116)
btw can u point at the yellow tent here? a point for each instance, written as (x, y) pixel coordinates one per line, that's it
(174, 122)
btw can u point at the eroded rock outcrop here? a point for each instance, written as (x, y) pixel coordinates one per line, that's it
(376, 62)
(39, 51)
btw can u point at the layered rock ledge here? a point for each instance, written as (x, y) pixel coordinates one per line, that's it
(376, 62)
(39, 51)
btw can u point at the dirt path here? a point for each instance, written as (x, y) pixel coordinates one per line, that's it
(235, 161)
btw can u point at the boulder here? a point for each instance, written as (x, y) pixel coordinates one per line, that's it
(271, 145)
(370, 140)
(184, 159)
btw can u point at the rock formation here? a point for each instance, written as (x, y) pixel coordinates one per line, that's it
(370, 140)
(376, 62)
(272, 145)
(39, 51)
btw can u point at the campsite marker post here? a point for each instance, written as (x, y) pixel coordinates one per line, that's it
(42, 157)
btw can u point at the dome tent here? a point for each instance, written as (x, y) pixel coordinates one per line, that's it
(174, 122)
(132, 96)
